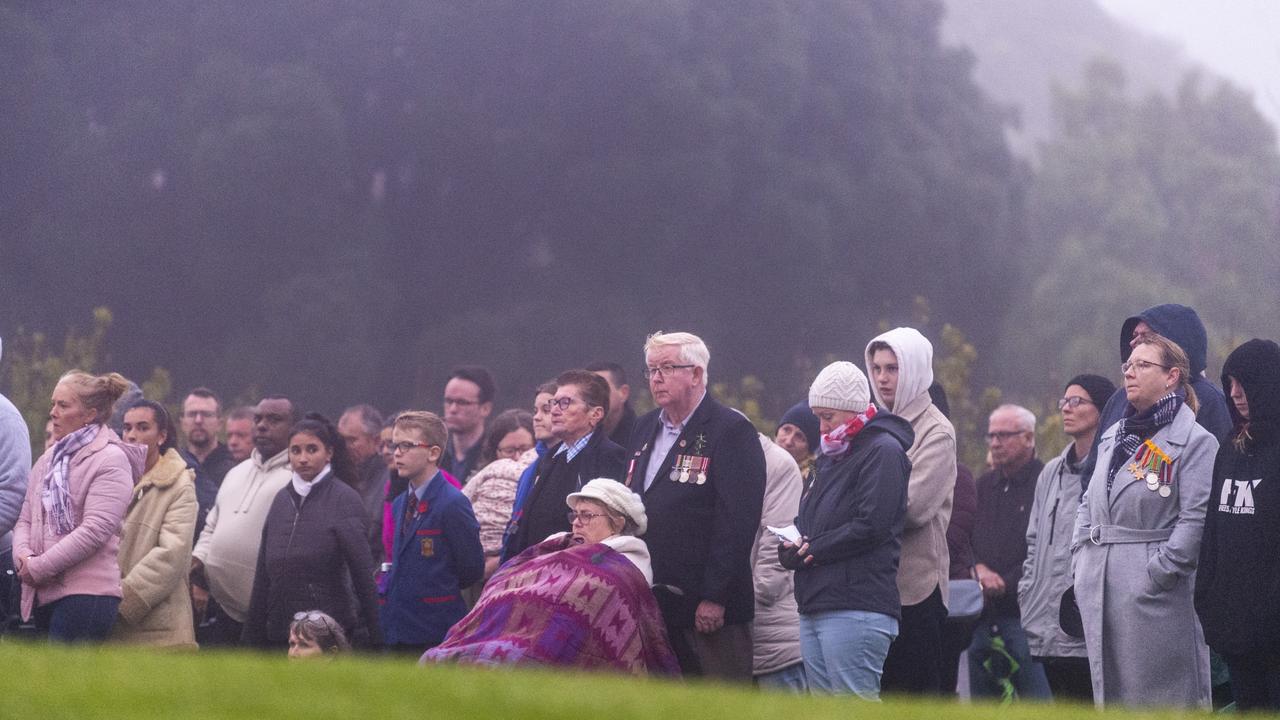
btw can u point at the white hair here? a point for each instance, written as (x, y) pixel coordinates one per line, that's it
(692, 350)
(1026, 418)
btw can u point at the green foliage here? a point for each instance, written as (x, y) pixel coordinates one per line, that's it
(32, 364)
(1141, 202)
(747, 395)
(340, 202)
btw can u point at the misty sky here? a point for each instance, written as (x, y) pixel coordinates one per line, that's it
(1239, 39)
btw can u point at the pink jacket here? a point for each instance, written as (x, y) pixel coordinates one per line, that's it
(82, 562)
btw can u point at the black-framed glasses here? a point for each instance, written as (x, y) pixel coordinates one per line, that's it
(1005, 435)
(513, 452)
(585, 516)
(664, 371)
(1137, 365)
(1073, 402)
(406, 446)
(563, 403)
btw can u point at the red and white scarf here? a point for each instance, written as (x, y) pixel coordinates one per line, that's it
(837, 441)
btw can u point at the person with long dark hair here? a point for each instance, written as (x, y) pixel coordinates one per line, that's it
(314, 550)
(1239, 573)
(155, 548)
(68, 533)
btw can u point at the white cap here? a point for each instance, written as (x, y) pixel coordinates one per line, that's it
(615, 496)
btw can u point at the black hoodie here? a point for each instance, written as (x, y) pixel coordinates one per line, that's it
(1238, 580)
(853, 515)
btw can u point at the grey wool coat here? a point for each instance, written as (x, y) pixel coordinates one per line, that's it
(1134, 558)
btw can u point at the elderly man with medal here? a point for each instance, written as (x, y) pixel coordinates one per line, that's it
(700, 469)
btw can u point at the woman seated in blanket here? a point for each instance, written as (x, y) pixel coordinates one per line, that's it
(579, 599)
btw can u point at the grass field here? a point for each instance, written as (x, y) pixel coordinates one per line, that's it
(42, 683)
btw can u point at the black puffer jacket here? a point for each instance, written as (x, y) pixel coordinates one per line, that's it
(1238, 580)
(314, 556)
(852, 516)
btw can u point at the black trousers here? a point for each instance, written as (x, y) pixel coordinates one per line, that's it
(1255, 680)
(956, 636)
(1069, 678)
(914, 664)
(218, 629)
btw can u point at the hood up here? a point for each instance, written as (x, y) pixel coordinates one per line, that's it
(915, 365)
(1256, 366)
(1180, 324)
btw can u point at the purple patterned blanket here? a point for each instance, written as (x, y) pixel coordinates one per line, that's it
(584, 606)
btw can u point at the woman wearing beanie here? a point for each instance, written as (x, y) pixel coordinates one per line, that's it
(850, 522)
(66, 542)
(1136, 542)
(1238, 582)
(798, 434)
(1046, 572)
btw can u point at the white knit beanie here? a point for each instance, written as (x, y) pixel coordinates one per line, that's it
(840, 386)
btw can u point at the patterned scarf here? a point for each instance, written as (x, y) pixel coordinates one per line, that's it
(836, 442)
(1136, 427)
(56, 496)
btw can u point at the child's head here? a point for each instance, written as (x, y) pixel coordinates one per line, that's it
(314, 634)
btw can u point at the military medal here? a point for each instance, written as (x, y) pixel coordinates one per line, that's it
(1154, 467)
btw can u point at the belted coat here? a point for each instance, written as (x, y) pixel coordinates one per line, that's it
(1134, 556)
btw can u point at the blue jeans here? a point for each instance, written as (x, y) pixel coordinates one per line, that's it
(844, 650)
(1028, 682)
(78, 618)
(790, 678)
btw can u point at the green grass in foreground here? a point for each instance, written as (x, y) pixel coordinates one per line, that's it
(42, 683)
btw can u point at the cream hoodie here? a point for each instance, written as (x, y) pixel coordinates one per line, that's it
(228, 545)
(925, 562)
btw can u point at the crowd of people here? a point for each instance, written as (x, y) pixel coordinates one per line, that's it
(849, 553)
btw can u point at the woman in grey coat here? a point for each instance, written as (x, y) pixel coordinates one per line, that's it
(1137, 540)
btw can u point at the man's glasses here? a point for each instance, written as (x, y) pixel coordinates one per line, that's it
(563, 403)
(1005, 435)
(194, 414)
(664, 371)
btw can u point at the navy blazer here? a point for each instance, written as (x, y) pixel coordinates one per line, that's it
(432, 560)
(700, 536)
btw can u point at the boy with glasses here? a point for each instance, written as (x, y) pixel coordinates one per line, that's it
(436, 548)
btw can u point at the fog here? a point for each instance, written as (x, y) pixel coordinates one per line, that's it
(341, 201)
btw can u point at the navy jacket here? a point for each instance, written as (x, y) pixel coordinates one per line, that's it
(1182, 325)
(852, 516)
(700, 537)
(434, 557)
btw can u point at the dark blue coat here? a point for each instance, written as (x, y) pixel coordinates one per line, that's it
(853, 517)
(433, 559)
(700, 536)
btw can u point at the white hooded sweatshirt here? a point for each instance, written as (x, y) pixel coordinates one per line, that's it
(925, 561)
